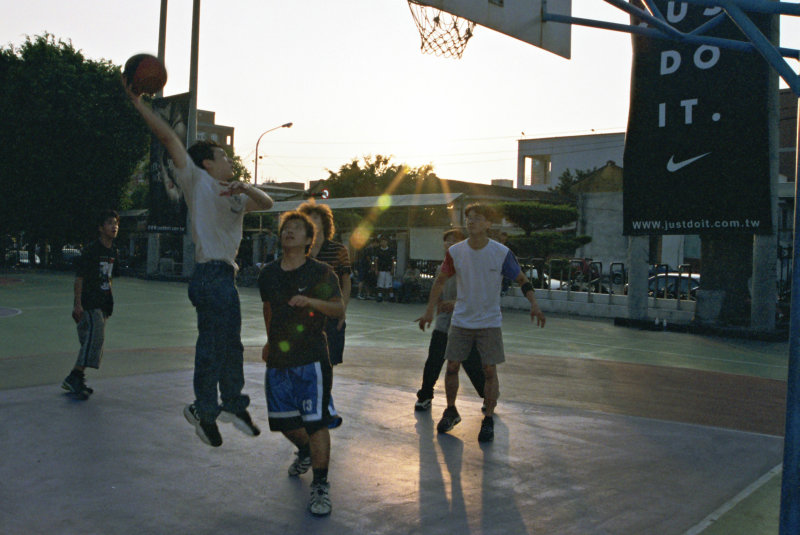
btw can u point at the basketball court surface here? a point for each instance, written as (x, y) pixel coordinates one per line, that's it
(599, 429)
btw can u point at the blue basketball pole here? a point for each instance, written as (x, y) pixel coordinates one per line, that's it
(790, 484)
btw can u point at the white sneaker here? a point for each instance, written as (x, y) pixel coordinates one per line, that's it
(320, 502)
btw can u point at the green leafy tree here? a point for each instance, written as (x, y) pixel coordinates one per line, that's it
(533, 216)
(539, 221)
(567, 179)
(374, 176)
(240, 172)
(70, 140)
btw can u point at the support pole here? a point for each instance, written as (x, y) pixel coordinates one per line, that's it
(188, 246)
(162, 39)
(764, 280)
(790, 484)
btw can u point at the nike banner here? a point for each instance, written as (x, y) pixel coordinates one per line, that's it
(167, 208)
(696, 151)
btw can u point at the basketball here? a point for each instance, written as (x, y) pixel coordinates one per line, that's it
(145, 74)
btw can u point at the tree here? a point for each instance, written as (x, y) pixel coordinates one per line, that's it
(374, 176)
(240, 172)
(534, 217)
(566, 180)
(70, 140)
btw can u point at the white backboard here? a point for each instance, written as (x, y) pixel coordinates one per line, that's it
(521, 19)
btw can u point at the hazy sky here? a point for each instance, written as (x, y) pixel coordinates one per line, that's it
(350, 76)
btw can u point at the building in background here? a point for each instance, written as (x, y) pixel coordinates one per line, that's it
(541, 161)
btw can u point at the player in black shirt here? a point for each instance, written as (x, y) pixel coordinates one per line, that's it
(93, 303)
(299, 295)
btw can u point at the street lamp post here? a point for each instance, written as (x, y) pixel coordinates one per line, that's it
(285, 125)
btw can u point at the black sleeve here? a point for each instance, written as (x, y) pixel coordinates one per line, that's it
(263, 285)
(115, 269)
(85, 263)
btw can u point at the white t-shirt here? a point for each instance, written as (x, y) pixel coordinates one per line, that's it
(216, 219)
(479, 278)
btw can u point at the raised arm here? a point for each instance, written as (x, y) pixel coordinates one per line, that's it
(160, 128)
(257, 199)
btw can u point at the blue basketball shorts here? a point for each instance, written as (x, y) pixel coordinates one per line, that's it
(298, 397)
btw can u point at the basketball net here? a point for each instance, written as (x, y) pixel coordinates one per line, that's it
(442, 34)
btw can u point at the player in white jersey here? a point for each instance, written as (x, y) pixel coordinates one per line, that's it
(479, 265)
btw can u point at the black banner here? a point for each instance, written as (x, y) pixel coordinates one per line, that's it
(696, 151)
(167, 207)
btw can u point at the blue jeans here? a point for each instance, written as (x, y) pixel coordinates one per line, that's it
(219, 354)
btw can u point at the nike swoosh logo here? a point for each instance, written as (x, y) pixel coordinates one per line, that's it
(301, 290)
(673, 166)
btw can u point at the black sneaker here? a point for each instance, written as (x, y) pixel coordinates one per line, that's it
(422, 404)
(74, 383)
(241, 421)
(487, 430)
(207, 431)
(449, 420)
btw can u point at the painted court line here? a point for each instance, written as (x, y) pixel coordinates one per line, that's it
(665, 353)
(733, 502)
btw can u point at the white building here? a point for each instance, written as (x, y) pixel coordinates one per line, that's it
(541, 161)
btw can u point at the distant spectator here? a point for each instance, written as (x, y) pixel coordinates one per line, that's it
(385, 266)
(410, 285)
(270, 245)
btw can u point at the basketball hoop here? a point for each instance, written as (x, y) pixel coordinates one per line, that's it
(442, 34)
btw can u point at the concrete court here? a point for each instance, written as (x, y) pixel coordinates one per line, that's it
(562, 462)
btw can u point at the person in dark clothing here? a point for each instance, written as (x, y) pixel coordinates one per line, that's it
(385, 265)
(299, 294)
(93, 303)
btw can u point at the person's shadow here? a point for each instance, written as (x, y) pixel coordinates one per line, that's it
(433, 500)
(500, 513)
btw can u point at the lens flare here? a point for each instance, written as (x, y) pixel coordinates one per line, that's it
(385, 202)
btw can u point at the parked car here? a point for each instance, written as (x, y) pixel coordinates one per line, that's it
(69, 254)
(20, 257)
(673, 284)
(688, 283)
(549, 282)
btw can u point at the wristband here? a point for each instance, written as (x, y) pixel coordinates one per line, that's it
(527, 287)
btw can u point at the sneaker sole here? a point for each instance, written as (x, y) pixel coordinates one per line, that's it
(422, 405)
(442, 429)
(83, 395)
(326, 513)
(230, 418)
(197, 429)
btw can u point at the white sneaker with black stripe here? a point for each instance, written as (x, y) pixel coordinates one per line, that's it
(320, 502)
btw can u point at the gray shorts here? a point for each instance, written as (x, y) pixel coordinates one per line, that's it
(488, 342)
(91, 333)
